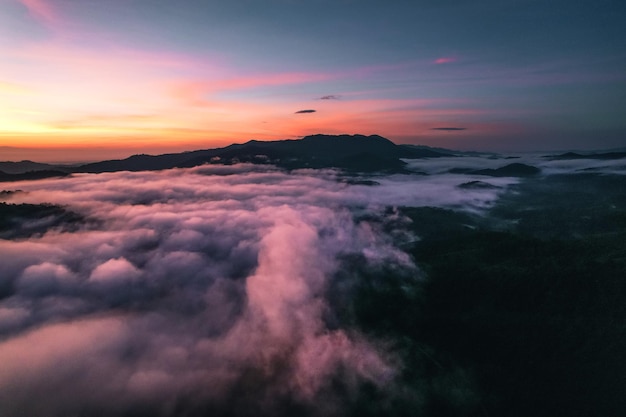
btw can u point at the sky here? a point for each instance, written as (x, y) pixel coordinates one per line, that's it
(89, 80)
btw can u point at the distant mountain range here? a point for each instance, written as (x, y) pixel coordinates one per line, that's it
(348, 152)
(22, 167)
(574, 155)
(510, 170)
(352, 153)
(32, 175)
(357, 153)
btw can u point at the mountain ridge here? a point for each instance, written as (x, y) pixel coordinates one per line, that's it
(314, 151)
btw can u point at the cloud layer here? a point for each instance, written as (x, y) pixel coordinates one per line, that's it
(201, 290)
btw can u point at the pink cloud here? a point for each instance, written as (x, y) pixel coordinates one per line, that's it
(194, 91)
(284, 229)
(444, 60)
(43, 12)
(113, 271)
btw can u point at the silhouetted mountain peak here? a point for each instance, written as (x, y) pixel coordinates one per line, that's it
(477, 185)
(24, 166)
(324, 137)
(512, 170)
(351, 152)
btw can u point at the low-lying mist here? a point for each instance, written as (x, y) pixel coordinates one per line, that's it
(213, 290)
(192, 290)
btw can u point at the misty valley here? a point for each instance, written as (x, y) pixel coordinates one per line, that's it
(328, 276)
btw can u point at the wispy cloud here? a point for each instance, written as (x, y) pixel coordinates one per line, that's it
(444, 60)
(305, 111)
(330, 97)
(195, 92)
(43, 12)
(50, 14)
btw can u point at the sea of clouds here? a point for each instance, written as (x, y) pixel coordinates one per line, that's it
(194, 291)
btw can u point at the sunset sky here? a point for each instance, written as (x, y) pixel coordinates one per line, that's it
(86, 79)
